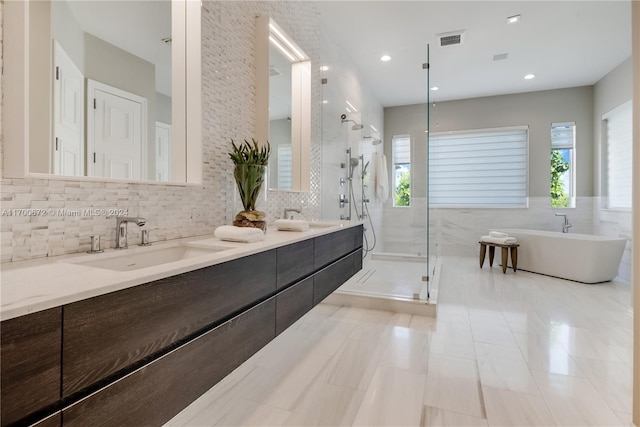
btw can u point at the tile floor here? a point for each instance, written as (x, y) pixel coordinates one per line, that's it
(505, 350)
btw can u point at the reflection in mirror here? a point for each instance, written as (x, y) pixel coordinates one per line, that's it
(283, 95)
(106, 69)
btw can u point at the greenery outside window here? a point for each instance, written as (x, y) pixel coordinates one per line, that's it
(401, 157)
(563, 142)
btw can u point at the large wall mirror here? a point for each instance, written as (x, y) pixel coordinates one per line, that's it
(283, 100)
(113, 88)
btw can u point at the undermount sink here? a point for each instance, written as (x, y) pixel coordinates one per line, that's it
(147, 257)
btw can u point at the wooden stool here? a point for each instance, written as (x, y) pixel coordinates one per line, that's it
(505, 254)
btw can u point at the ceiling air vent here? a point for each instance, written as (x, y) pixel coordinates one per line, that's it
(452, 38)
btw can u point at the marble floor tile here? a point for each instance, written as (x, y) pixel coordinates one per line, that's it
(422, 323)
(296, 380)
(498, 336)
(580, 342)
(625, 418)
(453, 384)
(439, 417)
(612, 380)
(245, 413)
(545, 353)
(509, 408)
(504, 368)
(354, 364)
(406, 349)
(574, 401)
(327, 405)
(394, 398)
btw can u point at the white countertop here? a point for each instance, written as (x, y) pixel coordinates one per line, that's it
(36, 285)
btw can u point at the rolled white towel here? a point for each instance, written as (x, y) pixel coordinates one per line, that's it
(499, 240)
(232, 233)
(291, 224)
(499, 234)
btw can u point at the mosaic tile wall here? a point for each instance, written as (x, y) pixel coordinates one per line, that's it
(228, 93)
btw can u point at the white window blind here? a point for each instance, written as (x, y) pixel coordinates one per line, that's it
(480, 168)
(619, 136)
(562, 135)
(401, 150)
(284, 166)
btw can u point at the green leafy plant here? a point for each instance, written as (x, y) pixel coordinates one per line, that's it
(250, 160)
(403, 191)
(559, 199)
(250, 153)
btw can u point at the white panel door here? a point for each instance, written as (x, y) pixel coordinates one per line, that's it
(116, 134)
(163, 151)
(68, 115)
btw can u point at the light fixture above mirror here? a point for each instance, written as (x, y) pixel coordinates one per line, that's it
(283, 103)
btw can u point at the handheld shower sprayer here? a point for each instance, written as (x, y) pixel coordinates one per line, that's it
(356, 126)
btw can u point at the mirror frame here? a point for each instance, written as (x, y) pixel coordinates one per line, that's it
(186, 110)
(300, 114)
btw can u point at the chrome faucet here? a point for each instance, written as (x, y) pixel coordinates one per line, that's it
(287, 210)
(565, 225)
(121, 229)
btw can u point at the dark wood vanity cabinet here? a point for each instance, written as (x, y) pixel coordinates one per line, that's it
(161, 389)
(111, 332)
(30, 364)
(140, 355)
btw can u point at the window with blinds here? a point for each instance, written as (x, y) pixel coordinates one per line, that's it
(284, 166)
(479, 168)
(563, 142)
(401, 158)
(617, 126)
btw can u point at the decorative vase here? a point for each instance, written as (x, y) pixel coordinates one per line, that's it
(249, 179)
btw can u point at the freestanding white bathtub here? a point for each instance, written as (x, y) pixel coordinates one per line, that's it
(580, 257)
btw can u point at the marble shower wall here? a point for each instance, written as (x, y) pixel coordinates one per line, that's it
(228, 95)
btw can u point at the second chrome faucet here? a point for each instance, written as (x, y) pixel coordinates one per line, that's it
(121, 229)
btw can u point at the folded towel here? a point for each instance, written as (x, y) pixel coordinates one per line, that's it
(499, 234)
(291, 225)
(232, 233)
(499, 240)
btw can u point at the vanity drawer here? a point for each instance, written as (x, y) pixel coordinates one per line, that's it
(332, 277)
(333, 246)
(30, 363)
(293, 303)
(155, 393)
(294, 262)
(109, 333)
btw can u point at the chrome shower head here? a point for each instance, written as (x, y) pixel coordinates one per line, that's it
(356, 126)
(373, 141)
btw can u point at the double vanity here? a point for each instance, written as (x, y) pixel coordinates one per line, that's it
(132, 337)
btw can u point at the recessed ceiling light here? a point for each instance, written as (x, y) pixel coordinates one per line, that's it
(324, 101)
(324, 68)
(435, 88)
(530, 76)
(513, 19)
(385, 58)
